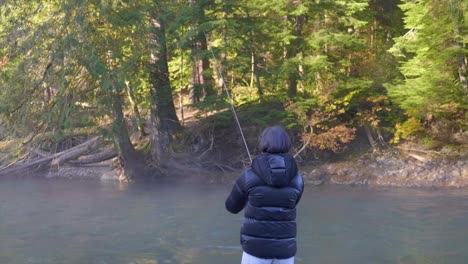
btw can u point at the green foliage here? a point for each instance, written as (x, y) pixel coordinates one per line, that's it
(409, 128)
(212, 103)
(427, 142)
(73, 58)
(263, 115)
(257, 115)
(63, 53)
(431, 55)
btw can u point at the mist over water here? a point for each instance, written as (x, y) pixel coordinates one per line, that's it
(62, 221)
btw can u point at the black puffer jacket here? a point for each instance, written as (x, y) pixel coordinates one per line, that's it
(269, 191)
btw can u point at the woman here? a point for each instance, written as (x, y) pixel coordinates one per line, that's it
(269, 191)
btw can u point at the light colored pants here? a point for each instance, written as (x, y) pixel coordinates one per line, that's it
(249, 259)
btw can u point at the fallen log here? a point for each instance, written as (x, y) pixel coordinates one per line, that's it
(419, 150)
(417, 157)
(74, 152)
(94, 158)
(53, 160)
(40, 153)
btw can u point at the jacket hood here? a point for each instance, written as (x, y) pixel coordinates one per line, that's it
(275, 169)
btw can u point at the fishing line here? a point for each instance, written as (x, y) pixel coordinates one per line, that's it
(220, 75)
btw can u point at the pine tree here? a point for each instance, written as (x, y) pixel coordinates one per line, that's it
(433, 56)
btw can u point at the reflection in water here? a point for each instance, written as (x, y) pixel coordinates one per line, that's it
(106, 223)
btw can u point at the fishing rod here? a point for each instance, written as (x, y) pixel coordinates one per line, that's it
(231, 101)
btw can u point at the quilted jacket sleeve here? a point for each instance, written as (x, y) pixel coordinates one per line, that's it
(238, 197)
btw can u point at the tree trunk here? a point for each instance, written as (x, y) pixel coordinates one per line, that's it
(136, 111)
(252, 70)
(163, 115)
(259, 85)
(462, 72)
(367, 127)
(292, 52)
(223, 57)
(206, 73)
(196, 80)
(201, 84)
(133, 163)
(462, 62)
(255, 75)
(181, 96)
(292, 85)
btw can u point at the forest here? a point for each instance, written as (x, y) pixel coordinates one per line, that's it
(146, 81)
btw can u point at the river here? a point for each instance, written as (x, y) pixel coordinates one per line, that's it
(73, 221)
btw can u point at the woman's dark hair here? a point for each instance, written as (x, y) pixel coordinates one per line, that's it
(274, 140)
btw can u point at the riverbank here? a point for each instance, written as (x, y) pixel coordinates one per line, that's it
(210, 151)
(392, 167)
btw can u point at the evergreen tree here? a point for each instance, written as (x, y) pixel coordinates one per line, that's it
(164, 118)
(433, 56)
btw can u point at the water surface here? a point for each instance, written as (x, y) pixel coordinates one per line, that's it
(61, 221)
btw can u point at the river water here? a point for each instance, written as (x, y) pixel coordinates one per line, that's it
(61, 221)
